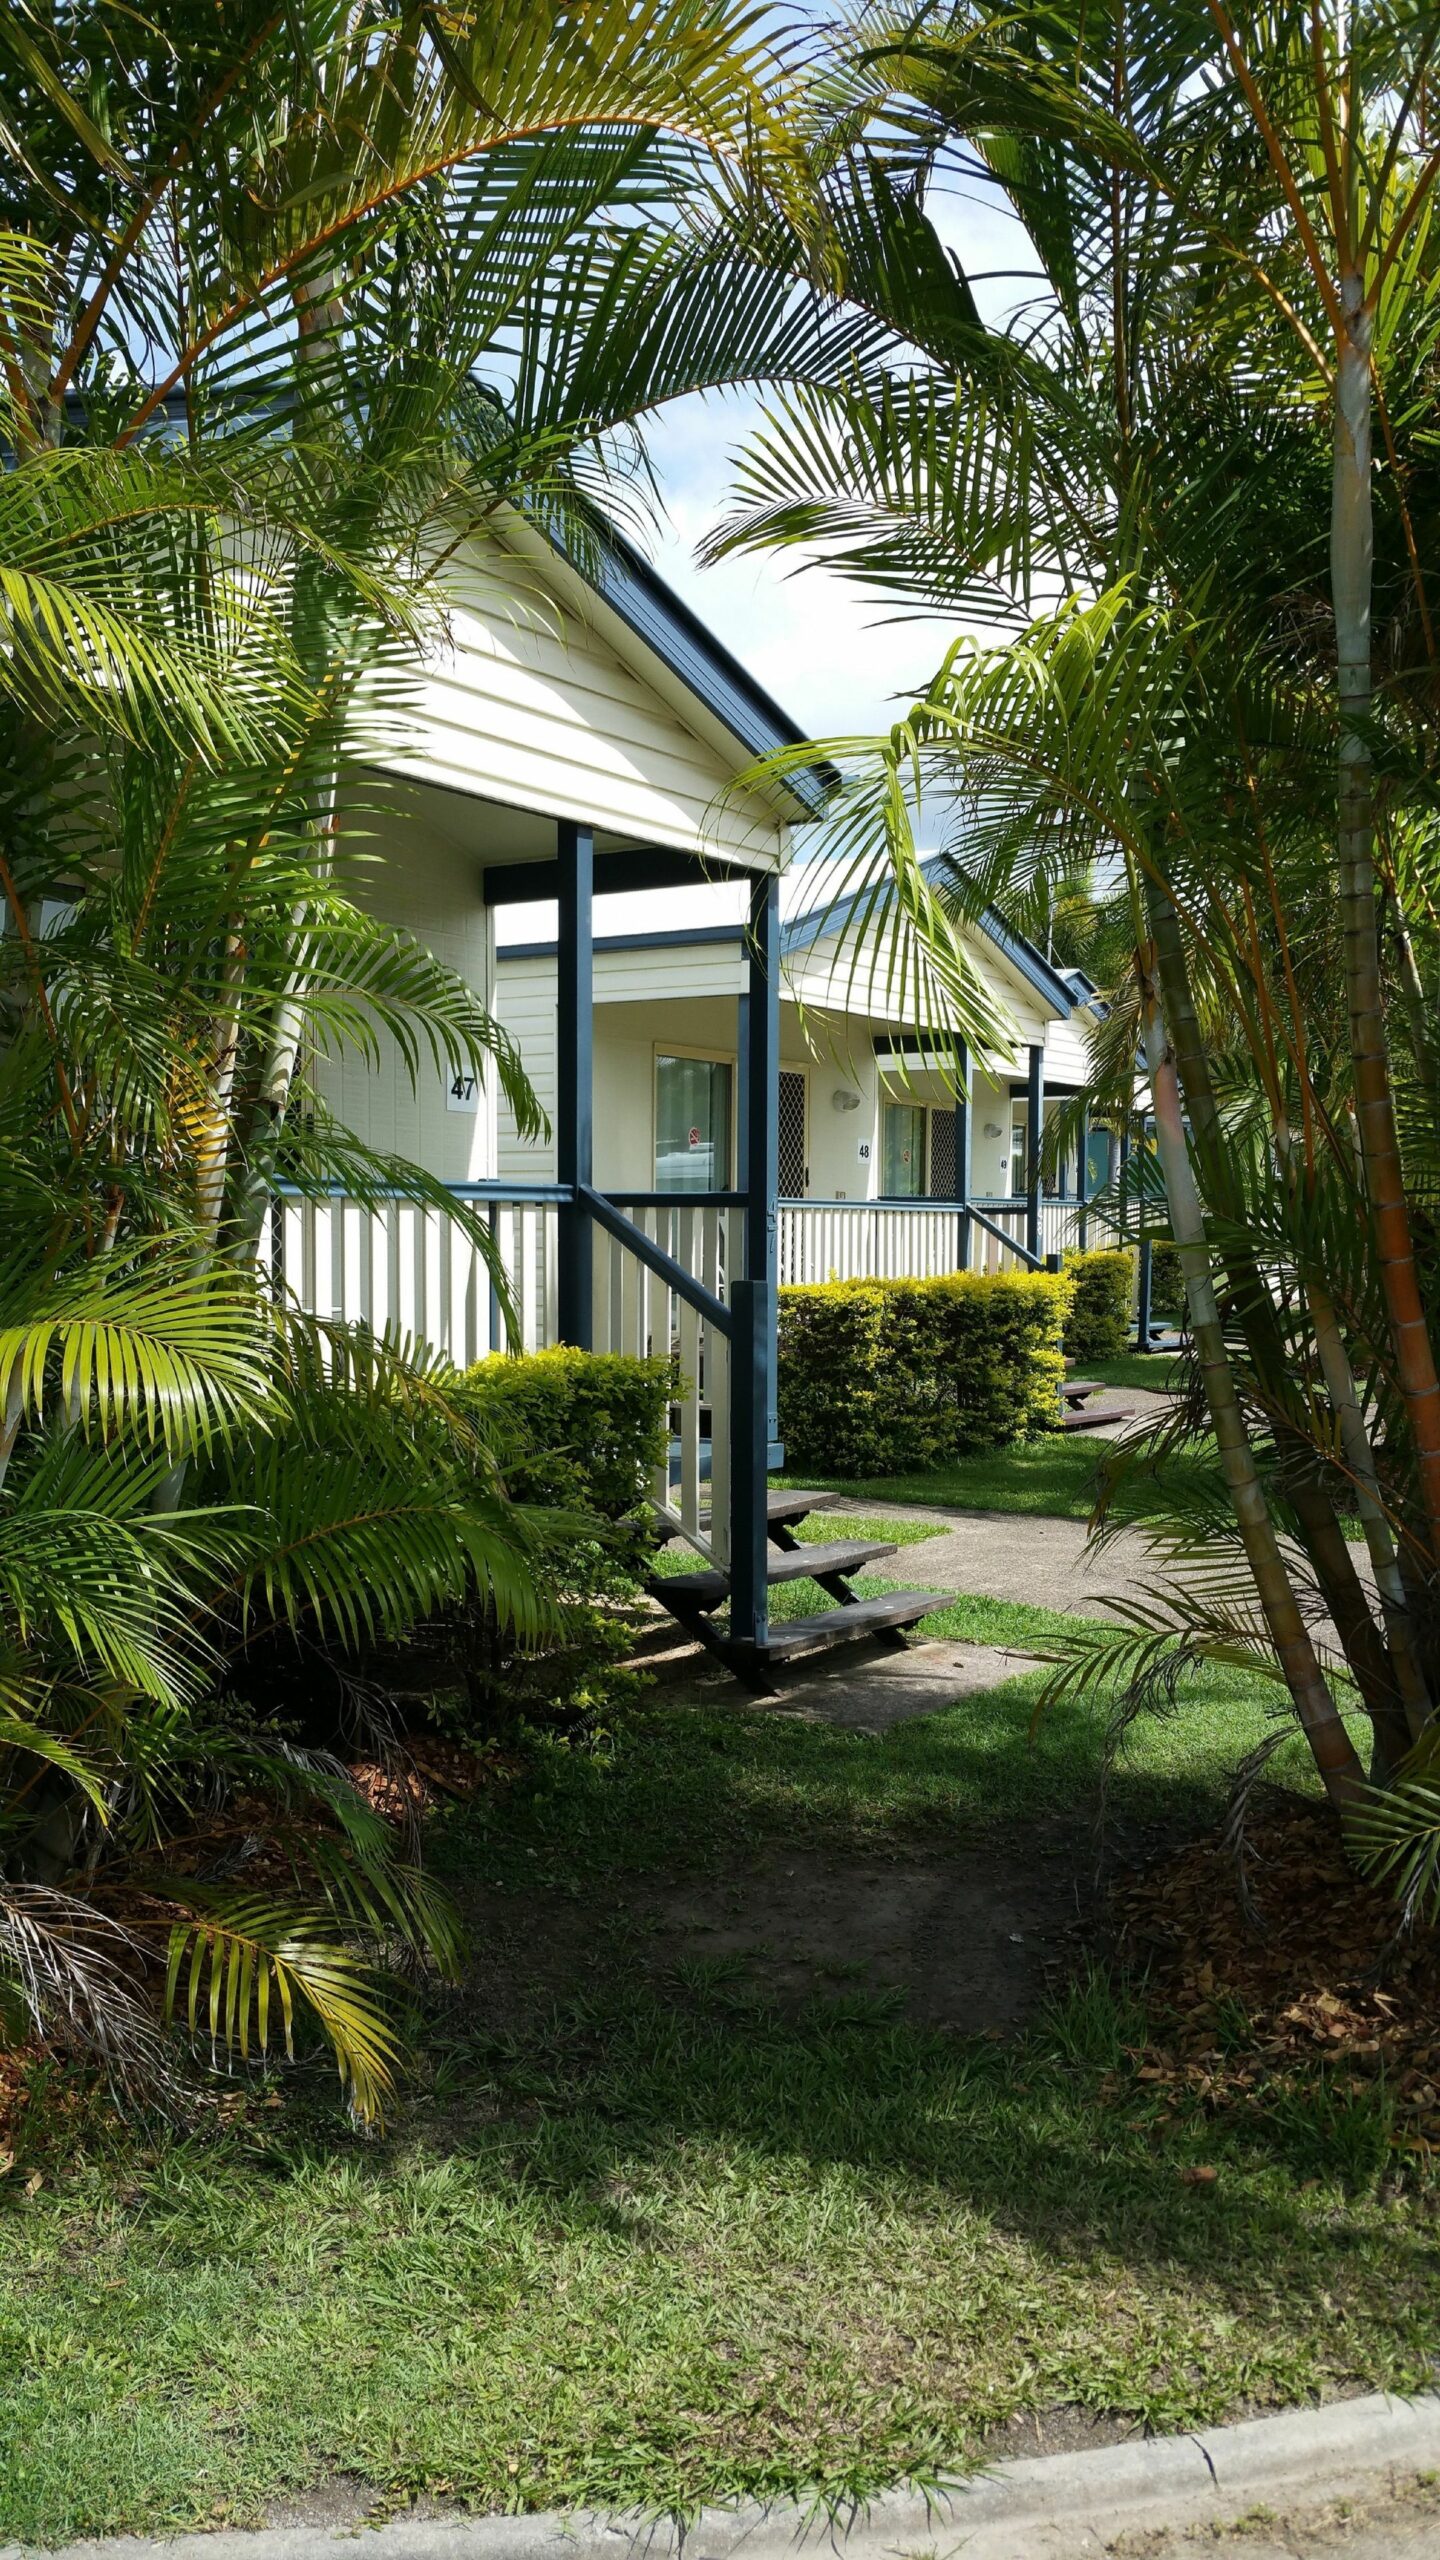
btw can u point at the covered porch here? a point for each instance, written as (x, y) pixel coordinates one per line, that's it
(640, 1271)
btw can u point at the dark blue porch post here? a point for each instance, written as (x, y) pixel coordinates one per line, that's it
(574, 1111)
(1143, 1316)
(1035, 1140)
(962, 1155)
(752, 1349)
(1084, 1182)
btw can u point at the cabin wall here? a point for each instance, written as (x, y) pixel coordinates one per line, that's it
(665, 999)
(416, 878)
(530, 703)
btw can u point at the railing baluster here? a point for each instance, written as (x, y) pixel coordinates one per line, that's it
(615, 1311)
(530, 1279)
(717, 1368)
(689, 1329)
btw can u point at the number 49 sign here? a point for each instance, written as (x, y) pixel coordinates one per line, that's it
(462, 1090)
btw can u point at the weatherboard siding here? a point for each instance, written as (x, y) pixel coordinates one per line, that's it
(434, 890)
(529, 704)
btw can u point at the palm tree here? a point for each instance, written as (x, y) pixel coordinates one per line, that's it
(290, 301)
(1230, 214)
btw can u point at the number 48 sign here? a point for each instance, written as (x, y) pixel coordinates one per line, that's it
(462, 1090)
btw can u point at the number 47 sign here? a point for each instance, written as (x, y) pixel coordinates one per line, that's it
(462, 1090)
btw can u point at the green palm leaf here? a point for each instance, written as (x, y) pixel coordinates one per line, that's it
(175, 1357)
(241, 1957)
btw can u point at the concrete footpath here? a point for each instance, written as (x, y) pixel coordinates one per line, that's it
(1359, 2478)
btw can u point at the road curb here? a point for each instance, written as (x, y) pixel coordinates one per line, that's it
(1049, 2507)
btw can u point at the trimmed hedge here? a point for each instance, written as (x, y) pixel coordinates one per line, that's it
(1098, 1325)
(578, 1433)
(880, 1377)
(1167, 1283)
(575, 1428)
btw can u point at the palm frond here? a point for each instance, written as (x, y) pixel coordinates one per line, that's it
(238, 1957)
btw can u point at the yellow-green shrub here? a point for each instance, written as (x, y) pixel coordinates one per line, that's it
(573, 1427)
(880, 1377)
(1167, 1282)
(579, 1434)
(1098, 1325)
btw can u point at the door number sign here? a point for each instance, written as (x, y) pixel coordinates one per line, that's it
(462, 1090)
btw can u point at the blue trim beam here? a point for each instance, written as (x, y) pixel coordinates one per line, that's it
(1034, 1143)
(753, 1350)
(963, 1154)
(574, 1081)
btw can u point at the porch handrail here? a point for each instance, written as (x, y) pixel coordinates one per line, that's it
(520, 1195)
(677, 1199)
(655, 1257)
(1012, 1244)
(1008, 1202)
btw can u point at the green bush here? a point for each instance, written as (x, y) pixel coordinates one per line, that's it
(1098, 1325)
(577, 1429)
(579, 1434)
(880, 1377)
(1167, 1283)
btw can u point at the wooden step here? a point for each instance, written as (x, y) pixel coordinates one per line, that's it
(790, 1505)
(707, 1588)
(1087, 1418)
(1075, 1390)
(848, 1625)
(684, 1591)
(843, 1555)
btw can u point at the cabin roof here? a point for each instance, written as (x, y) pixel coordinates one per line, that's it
(1064, 994)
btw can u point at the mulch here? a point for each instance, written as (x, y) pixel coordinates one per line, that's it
(426, 1771)
(1317, 1970)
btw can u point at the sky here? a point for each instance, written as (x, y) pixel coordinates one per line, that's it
(823, 648)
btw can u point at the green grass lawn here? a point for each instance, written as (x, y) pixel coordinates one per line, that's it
(970, 1618)
(1157, 1371)
(1055, 1475)
(646, 2233)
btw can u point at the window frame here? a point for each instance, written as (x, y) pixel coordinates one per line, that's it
(711, 1057)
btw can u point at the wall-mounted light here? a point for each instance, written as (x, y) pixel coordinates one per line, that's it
(844, 1099)
(993, 1129)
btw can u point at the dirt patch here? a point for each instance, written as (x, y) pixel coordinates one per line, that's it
(970, 1942)
(963, 1942)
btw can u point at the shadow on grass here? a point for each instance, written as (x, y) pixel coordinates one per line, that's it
(648, 2235)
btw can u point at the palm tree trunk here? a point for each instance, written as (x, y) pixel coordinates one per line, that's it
(1351, 578)
(1360, 1460)
(1334, 1753)
(1321, 1535)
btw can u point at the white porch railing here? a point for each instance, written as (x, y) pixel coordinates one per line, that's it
(408, 1270)
(403, 1268)
(912, 1239)
(637, 1310)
